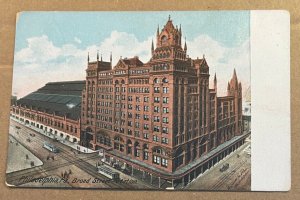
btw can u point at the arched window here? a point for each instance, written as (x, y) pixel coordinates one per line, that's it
(145, 151)
(137, 149)
(156, 80)
(164, 40)
(165, 80)
(129, 147)
(119, 143)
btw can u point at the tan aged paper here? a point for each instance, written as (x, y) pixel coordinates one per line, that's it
(149, 101)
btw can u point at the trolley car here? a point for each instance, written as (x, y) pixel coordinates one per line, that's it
(50, 147)
(102, 169)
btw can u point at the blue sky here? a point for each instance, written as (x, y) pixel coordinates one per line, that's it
(51, 41)
(93, 27)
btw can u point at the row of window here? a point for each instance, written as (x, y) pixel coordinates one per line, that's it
(139, 90)
(159, 160)
(165, 90)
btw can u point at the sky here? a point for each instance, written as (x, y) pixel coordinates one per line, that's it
(53, 46)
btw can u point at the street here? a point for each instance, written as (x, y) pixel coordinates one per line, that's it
(79, 169)
(237, 177)
(57, 164)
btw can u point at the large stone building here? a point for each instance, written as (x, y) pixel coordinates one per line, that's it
(54, 108)
(160, 117)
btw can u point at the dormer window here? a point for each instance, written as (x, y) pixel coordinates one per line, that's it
(164, 40)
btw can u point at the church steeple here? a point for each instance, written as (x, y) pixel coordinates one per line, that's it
(185, 47)
(215, 81)
(97, 55)
(152, 47)
(169, 35)
(88, 57)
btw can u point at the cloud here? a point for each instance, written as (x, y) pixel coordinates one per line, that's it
(223, 60)
(41, 61)
(77, 40)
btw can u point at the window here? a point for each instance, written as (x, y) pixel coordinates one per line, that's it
(156, 119)
(136, 133)
(146, 108)
(137, 116)
(165, 130)
(156, 128)
(155, 138)
(138, 107)
(156, 159)
(165, 80)
(165, 99)
(164, 140)
(146, 136)
(156, 109)
(137, 125)
(156, 80)
(146, 117)
(156, 99)
(146, 99)
(146, 155)
(129, 98)
(164, 162)
(165, 120)
(137, 153)
(146, 126)
(137, 99)
(129, 132)
(165, 110)
(156, 90)
(165, 90)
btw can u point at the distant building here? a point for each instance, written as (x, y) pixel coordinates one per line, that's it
(247, 110)
(13, 100)
(54, 108)
(160, 117)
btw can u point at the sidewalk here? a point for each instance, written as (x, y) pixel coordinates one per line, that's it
(75, 146)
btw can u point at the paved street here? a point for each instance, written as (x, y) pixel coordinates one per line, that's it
(67, 160)
(25, 157)
(81, 167)
(237, 177)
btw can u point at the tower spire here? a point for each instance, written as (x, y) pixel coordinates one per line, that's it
(152, 47)
(169, 17)
(185, 47)
(215, 81)
(101, 57)
(234, 74)
(157, 32)
(88, 57)
(110, 57)
(97, 55)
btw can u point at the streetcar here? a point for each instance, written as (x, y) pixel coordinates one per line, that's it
(50, 147)
(102, 169)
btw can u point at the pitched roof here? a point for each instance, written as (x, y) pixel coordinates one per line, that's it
(135, 61)
(59, 98)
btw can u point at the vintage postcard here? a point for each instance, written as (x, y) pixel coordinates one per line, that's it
(134, 100)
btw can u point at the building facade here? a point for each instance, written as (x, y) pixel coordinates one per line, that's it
(54, 108)
(159, 116)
